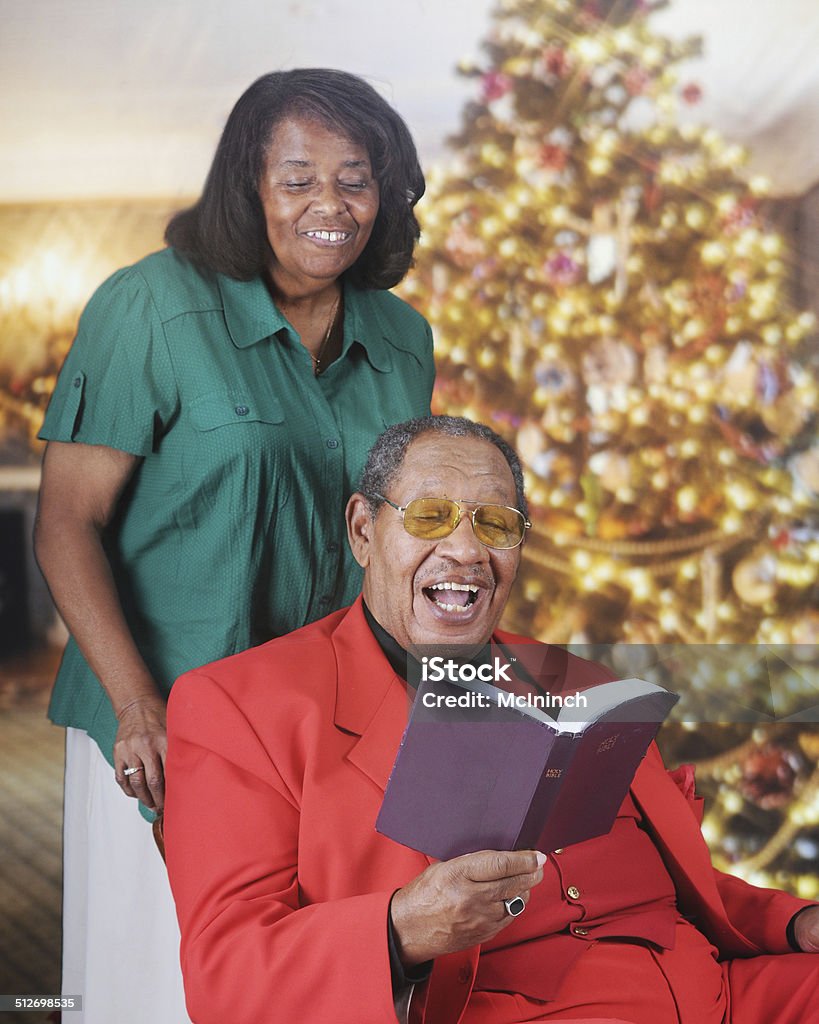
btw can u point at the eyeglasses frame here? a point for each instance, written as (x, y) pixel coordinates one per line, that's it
(459, 502)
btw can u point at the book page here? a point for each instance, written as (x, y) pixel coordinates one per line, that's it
(602, 699)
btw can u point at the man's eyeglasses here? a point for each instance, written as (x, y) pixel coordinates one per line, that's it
(496, 526)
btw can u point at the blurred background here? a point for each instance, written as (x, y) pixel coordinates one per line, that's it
(620, 261)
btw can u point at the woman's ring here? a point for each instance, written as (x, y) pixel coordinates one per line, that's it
(133, 771)
(515, 906)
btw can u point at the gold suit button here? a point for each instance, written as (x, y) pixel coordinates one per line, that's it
(573, 892)
(580, 931)
(558, 850)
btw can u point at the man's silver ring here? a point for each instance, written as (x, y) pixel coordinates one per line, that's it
(133, 771)
(515, 907)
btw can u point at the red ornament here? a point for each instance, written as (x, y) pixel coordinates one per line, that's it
(768, 776)
(781, 539)
(495, 85)
(553, 157)
(692, 93)
(562, 270)
(652, 195)
(556, 61)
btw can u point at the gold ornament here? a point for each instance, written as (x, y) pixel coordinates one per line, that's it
(786, 416)
(805, 469)
(612, 468)
(754, 578)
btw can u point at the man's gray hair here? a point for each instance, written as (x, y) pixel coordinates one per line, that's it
(386, 456)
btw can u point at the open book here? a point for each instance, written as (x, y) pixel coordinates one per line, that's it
(480, 768)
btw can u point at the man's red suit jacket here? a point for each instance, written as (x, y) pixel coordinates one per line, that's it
(277, 763)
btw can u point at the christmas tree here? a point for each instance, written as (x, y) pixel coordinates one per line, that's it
(603, 287)
(605, 291)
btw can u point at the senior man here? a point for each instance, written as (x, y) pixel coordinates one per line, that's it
(294, 909)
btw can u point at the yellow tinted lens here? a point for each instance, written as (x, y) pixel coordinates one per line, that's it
(498, 526)
(430, 518)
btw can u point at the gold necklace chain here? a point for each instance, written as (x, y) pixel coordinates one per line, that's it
(317, 367)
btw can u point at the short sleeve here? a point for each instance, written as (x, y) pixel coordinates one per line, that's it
(117, 386)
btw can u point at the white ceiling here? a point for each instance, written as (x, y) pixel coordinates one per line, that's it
(113, 97)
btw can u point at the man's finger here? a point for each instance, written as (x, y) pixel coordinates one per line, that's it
(495, 865)
(508, 888)
(503, 916)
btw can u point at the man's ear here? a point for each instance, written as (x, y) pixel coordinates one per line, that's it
(360, 527)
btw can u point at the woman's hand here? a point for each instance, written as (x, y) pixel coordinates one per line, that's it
(141, 743)
(458, 903)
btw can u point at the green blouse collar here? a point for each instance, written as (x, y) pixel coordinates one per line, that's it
(251, 316)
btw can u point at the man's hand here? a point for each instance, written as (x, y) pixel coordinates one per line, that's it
(141, 743)
(806, 930)
(458, 903)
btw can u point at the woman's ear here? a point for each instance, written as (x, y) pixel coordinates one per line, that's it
(359, 528)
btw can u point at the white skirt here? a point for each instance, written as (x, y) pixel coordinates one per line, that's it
(120, 934)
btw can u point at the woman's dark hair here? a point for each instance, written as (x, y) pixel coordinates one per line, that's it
(225, 229)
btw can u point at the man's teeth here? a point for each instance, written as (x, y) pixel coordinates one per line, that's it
(446, 606)
(328, 236)
(455, 586)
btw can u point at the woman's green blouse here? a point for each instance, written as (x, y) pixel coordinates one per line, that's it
(232, 529)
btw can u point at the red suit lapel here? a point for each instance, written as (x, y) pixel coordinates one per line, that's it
(372, 703)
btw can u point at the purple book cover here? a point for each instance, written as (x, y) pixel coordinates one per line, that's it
(498, 778)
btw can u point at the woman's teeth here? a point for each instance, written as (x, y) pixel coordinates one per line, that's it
(328, 236)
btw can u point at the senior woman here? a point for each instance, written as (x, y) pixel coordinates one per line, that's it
(209, 423)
